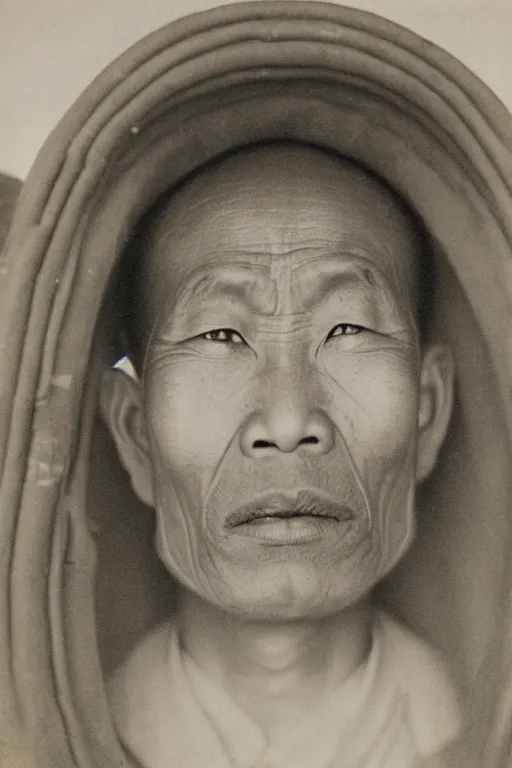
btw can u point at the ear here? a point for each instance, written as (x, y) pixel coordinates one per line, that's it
(122, 410)
(435, 405)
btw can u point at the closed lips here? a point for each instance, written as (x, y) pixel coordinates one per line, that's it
(285, 506)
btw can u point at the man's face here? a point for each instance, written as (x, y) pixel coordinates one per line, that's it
(281, 384)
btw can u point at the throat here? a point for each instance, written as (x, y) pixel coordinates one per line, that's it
(275, 672)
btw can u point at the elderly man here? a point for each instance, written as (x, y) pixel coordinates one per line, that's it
(286, 408)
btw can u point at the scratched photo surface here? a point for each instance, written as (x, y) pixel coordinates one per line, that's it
(255, 414)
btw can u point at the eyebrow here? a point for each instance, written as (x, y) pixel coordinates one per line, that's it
(245, 282)
(235, 280)
(332, 281)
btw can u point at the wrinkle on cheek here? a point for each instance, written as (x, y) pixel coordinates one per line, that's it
(185, 540)
(347, 393)
(391, 363)
(191, 541)
(359, 478)
(385, 474)
(175, 538)
(208, 368)
(183, 545)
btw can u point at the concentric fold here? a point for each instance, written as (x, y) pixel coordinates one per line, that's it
(310, 72)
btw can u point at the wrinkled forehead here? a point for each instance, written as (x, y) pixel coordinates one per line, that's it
(280, 216)
(295, 281)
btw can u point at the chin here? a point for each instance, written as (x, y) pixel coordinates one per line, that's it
(288, 594)
(283, 583)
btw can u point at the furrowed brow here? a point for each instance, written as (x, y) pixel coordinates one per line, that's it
(249, 285)
(321, 286)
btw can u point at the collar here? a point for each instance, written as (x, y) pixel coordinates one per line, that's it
(397, 706)
(314, 740)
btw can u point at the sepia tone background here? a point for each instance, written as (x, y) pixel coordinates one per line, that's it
(50, 50)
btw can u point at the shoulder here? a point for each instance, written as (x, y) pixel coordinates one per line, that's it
(424, 683)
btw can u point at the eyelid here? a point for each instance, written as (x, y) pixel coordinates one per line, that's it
(358, 326)
(227, 330)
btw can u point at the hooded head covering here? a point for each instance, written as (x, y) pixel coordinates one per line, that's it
(308, 72)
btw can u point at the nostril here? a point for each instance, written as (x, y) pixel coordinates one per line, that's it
(310, 440)
(263, 444)
(284, 431)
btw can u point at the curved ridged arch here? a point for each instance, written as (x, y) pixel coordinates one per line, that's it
(309, 71)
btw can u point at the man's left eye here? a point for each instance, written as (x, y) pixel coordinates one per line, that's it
(226, 335)
(345, 329)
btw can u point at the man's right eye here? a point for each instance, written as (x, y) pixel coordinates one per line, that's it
(225, 335)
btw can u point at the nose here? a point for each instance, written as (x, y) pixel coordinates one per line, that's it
(288, 424)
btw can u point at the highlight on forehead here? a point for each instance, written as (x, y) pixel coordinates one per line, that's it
(261, 198)
(279, 164)
(289, 173)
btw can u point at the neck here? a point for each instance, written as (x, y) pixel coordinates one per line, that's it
(276, 672)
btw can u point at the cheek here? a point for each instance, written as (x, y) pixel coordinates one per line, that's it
(193, 417)
(374, 400)
(192, 421)
(376, 394)
(382, 438)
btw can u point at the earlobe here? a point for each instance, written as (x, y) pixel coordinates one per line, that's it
(435, 405)
(121, 408)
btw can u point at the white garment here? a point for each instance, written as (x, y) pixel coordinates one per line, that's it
(394, 712)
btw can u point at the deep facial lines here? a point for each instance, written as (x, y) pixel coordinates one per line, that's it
(269, 338)
(275, 299)
(262, 275)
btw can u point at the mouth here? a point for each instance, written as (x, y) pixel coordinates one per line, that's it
(283, 518)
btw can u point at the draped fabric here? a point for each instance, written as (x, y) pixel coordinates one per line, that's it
(9, 191)
(79, 583)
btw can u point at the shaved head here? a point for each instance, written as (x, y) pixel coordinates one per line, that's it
(276, 331)
(272, 198)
